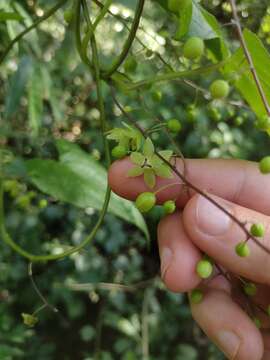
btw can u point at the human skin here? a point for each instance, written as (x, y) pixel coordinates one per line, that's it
(199, 227)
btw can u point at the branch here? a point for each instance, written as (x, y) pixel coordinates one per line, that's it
(249, 57)
(48, 14)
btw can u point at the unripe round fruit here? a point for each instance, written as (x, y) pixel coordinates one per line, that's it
(204, 269)
(68, 15)
(263, 123)
(250, 289)
(43, 203)
(193, 48)
(196, 296)
(157, 96)
(169, 207)
(119, 152)
(130, 64)
(239, 120)
(242, 249)
(145, 201)
(174, 125)
(265, 165)
(257, 230)
(219, 89)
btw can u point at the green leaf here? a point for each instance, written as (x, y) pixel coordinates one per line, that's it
(136, 171)
(185, 17)
(148, 148)
(137, 158)
(17, 86)
(149, 177)
(164, 171)
(35, 101)
(80, 180)
(244, 82)
(6, 16)
(166, 154)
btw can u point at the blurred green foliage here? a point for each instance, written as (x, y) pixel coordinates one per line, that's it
(46, 94)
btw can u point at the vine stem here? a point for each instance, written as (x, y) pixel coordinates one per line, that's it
(248, 56)
(132, 34)
(48, 14)
(3, 232)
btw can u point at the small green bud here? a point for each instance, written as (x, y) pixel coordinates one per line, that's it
(219, 89)
(174, 125)
(204, 269)
(145, 201)
(257, 322)
(196, 296)
(242, 249)
(119, 152)
(193, 48)
(257, 230)
(169, 207)
(250, 289)
(264, 165)
(29, 320)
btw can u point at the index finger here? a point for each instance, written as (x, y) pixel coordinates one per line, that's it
(238, 181)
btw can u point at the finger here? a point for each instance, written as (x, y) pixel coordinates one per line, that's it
(217, 234)
(266, 340)
(235, 180)
(178, 255)
(227, 325)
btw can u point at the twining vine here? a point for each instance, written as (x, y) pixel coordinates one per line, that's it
(150, 162)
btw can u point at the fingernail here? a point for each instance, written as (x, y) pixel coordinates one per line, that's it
(165, 257)
(229, 343)
(210, 219)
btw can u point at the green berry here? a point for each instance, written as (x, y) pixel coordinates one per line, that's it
(130, 64)
(196, 296)
(239, 120)
(215, 114)
(169, 207)
(148, 53)
(43, 203)
(257, 230)
(263, 123)
(119, 152)
(265, 165)
(157, 96)
(29, 320)
(250, 289)
(257, 322)
(193, 48)
(219, 89)
(145, 201)
(204, 269)
(174, 125)
(68, 15)
(242, 249)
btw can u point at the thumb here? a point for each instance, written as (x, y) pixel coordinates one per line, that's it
(216, 234)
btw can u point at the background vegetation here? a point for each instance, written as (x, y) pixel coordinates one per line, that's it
(48, 103)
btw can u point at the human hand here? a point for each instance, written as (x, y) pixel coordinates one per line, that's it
(200, 227)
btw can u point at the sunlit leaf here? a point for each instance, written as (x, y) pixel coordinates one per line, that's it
(136, 171)
(149, 178)
(164, 171)
(148, 148)
(137, 158)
